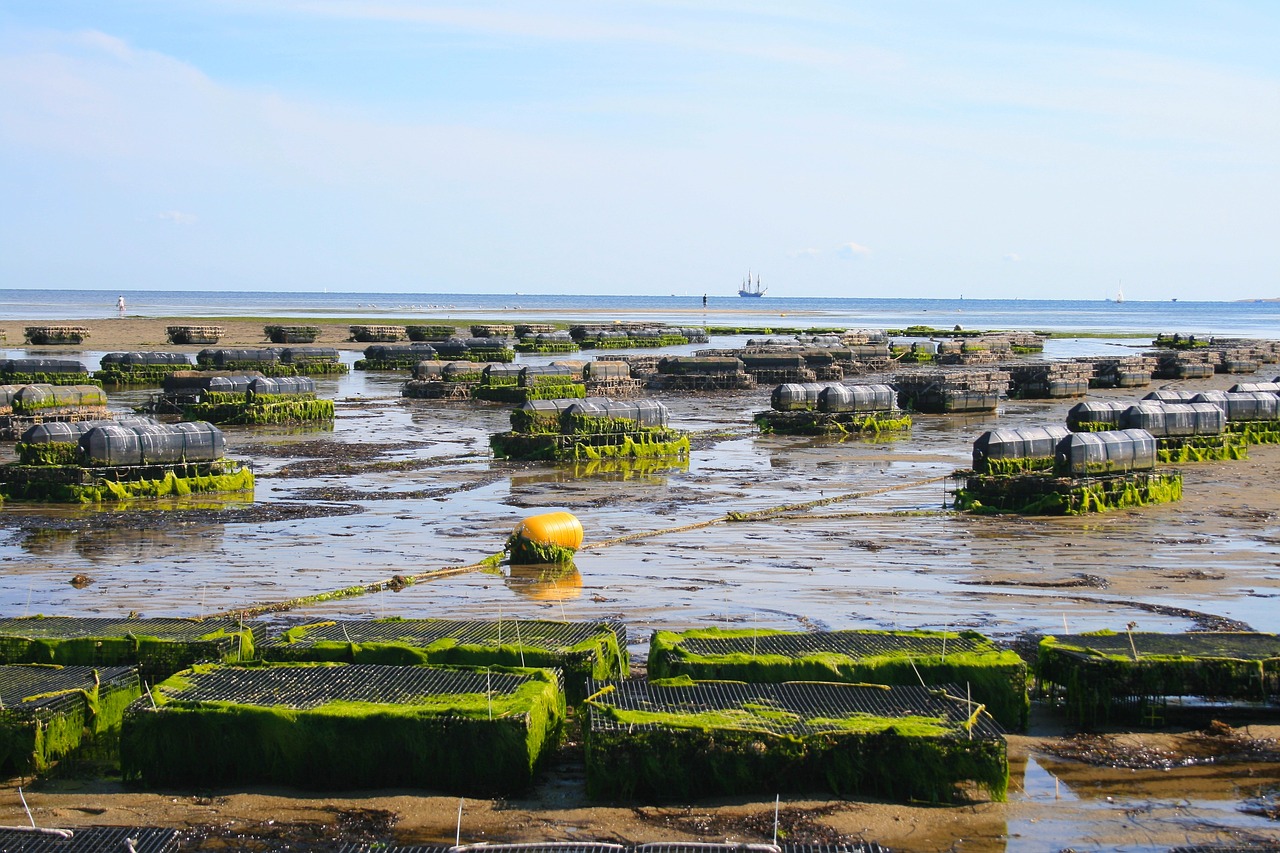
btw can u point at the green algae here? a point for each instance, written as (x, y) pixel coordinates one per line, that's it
(997, 678)
(427, 741)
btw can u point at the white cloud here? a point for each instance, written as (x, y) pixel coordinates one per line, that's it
(803, 253)
(177, 217)
(1013, 257)
(853, 250)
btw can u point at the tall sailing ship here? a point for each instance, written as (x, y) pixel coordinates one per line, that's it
(750, 288)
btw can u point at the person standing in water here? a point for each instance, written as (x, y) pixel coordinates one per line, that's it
(704, 300)
(120, 305)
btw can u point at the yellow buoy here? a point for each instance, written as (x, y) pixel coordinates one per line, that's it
(552, 537)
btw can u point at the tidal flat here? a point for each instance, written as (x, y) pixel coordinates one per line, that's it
(399, 487)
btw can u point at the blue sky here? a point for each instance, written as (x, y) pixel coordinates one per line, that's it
(984, 149)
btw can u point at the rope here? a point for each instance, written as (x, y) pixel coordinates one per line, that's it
(398, 581)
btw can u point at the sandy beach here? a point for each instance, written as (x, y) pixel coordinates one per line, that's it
(1206, 561)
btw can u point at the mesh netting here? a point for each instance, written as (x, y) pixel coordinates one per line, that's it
(797, 709)
(852, 643)
(160, 647)
(31, 688)
(1241, 646)
(544, 634)
(92, 839)
(593, 847)
(313, 686)
(68, 627)
(580, 650)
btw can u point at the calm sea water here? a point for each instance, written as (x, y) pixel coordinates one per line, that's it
(1223, 319)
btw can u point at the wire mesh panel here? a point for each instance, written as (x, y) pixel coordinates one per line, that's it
(679, 741)
(91, 839)
(345, 726)
(159, 647)
(542, 847)
(46, 712)
(997, 678)
(1108, 674)
(580, 649)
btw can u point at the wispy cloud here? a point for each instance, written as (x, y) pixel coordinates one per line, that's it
(177, 217)
(803, 253)
(1013, 257)
(853, 250)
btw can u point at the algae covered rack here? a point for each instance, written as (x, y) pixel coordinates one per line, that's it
(997, 678)
(684, 740)
(342, 726)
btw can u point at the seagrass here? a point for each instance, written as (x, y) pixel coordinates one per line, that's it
(473, 732)
(158, 647)
(995, 677)
(580, 650)
(48, 712)
(1107, 675)
(679, 740)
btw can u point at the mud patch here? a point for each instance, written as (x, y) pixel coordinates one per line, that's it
(1218, 743)
(345, 827)
(344, 493)
(795, 825)
(177, 519)
(1074, 582)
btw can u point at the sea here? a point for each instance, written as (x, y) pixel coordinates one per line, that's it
(1245, 319)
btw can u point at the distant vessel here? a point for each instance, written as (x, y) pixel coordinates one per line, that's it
(750, 288)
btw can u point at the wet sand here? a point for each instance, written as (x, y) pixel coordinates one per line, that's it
(398, 485)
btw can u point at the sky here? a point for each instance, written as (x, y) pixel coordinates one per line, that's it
(984, 149)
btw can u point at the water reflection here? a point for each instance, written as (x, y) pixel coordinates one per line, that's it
(653, 471)
(546, 581)
(120, 545)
